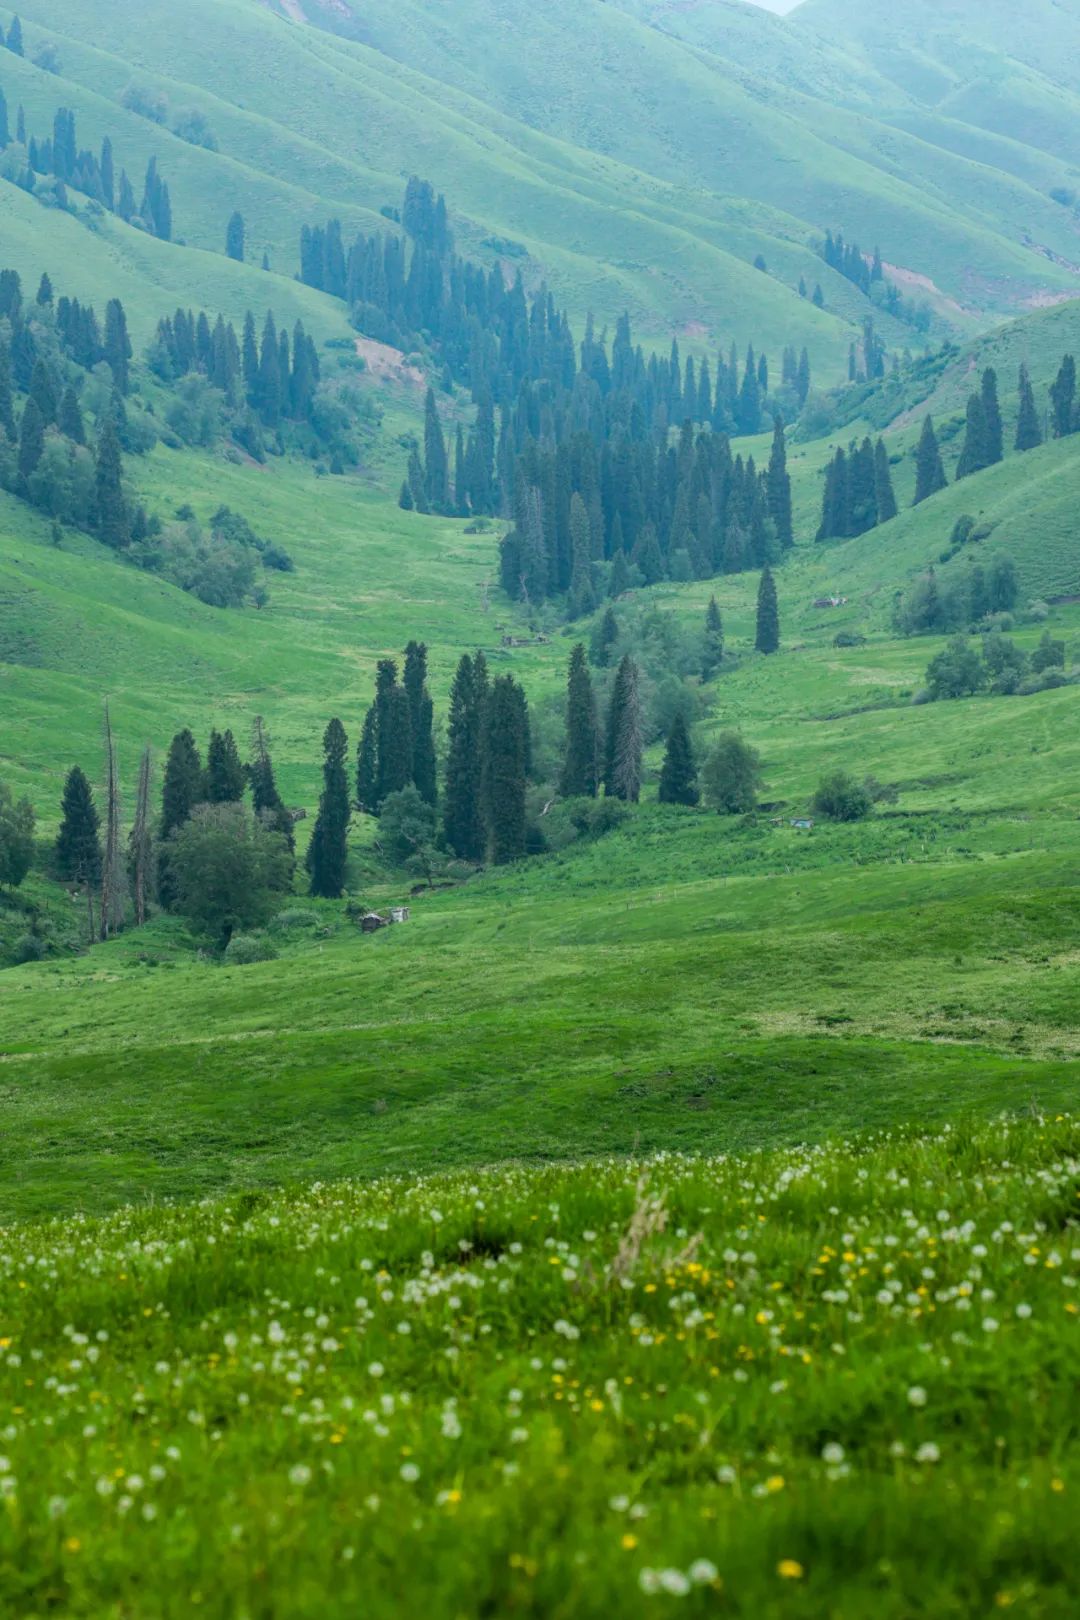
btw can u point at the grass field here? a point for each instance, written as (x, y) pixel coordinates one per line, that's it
(832, 1379)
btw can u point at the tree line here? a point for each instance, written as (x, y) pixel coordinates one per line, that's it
(92, 174)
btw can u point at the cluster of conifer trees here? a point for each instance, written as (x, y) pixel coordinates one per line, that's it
(269, 376)
(847, 259)
(858, 491)
(90, 173)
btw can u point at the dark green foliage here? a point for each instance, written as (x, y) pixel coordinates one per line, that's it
(994, 446)
(229, 870)
(156, 207)
(266, 801)
(7, 411)
(408, 832)
(31, 439)
(184, 786)
(778, 485)
(463, 800)
(367, 763)
(224, 772)
(78, 848)
(328, 851)
(957, 671)
(15, 37)
(974, 455)
(929, 467)
(580, 770)
(767, 636)
(43, 392)
(422, 722)
(840, 798)
(625, 740)
(1049, 654)
(70, 417)
(117, 345)
(506, 753)
(436, 465)
(1063, 398)
(732, 775)
(234, 238)
(678, 776)
(16, 838)
(110, 508)
(713, 655)
(1028, 430)
(883, 488)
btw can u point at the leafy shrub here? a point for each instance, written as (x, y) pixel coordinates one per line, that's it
(147, 102)
(958, 671)
(29, 948)
(245, 949)
(295, 917)
(732, 775)
(840, 798)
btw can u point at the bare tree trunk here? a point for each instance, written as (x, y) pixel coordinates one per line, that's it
(113, 876)
(141, 842)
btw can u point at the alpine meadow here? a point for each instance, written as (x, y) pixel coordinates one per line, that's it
(539, 809)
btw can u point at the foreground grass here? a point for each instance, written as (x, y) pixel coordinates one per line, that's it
(836, 1379)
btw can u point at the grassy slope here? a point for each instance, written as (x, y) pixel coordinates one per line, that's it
(472, 1395)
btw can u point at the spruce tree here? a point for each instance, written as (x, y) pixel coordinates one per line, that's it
(184, 787)
(582, 599)
(328, 851)
(767, 638)
(883, 486)
(1063, 398)
(367, 763)
(421, 719)
(625, 735)
(580, 765)
(15, 37)
(463, 816)
(778, 484)
(993, 443)
(974, 453)
(266, 801)
(234, 238)
(436, 466)
(678, 777)
(117, 345)
(110, 507)
(108, 175)
(70, 418)
(78, 847)
(505, 769)
(713, 655)
(31, 440)
(224, 772)
(929, 468)
(1028, 431)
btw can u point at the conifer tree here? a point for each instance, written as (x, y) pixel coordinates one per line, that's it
(7, 411)
(78, 848)
(113, 871)
(463, 816)
(580, 765)
(883, 487)
(184, 787)
(125, 201)
(15, 37)
(44, 299)
(108, 175)
(974, 453)
(1028, 431)
(266, 801)
(31, 439)
(224, 772)
(328, 851)
(110, 507)
(713, 655)
(779, 488)
(625, 735)
(862, 496)
(993, 443)
(582, 599)
(43, 393)
(117, 345)
(678, 776)
(929, 468)
(367, 763)
(436, 467)
(767, 638)
(505, 769)
(422, 722)
(234, 238)
(70, 418)
(269, 384)
(1063, 398)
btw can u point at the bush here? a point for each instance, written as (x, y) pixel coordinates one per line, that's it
(732, 775)
(29, 948)
(840, 798)
(244, 949)
(956, 672)
(295, 917)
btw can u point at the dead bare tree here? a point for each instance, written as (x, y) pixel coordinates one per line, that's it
(142, 844)
(113, 873)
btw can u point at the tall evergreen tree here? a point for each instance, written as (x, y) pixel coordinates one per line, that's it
(117, 345)
(993, 444)
(778, 484)
(1063, 398)
(767, 638)
(884, 494)
(7, 410)
(224, 772)
(581, 763)
(394, 733)
(367, 763)
(328, 851)
(436, 466)
(713, 655)
(31, 439)
(1028, 431)
(234, 238)
(69, 417)
(625, 735)
(505, 768)
(582, 598)
(266, 801)
(678, 777)
(929, 468)
(110, 508)
(184, 787)
(108, 175)
(15, 37)
(78, 847)
(421, 719)
(463, 813)
(43, 393)
(973, 456)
